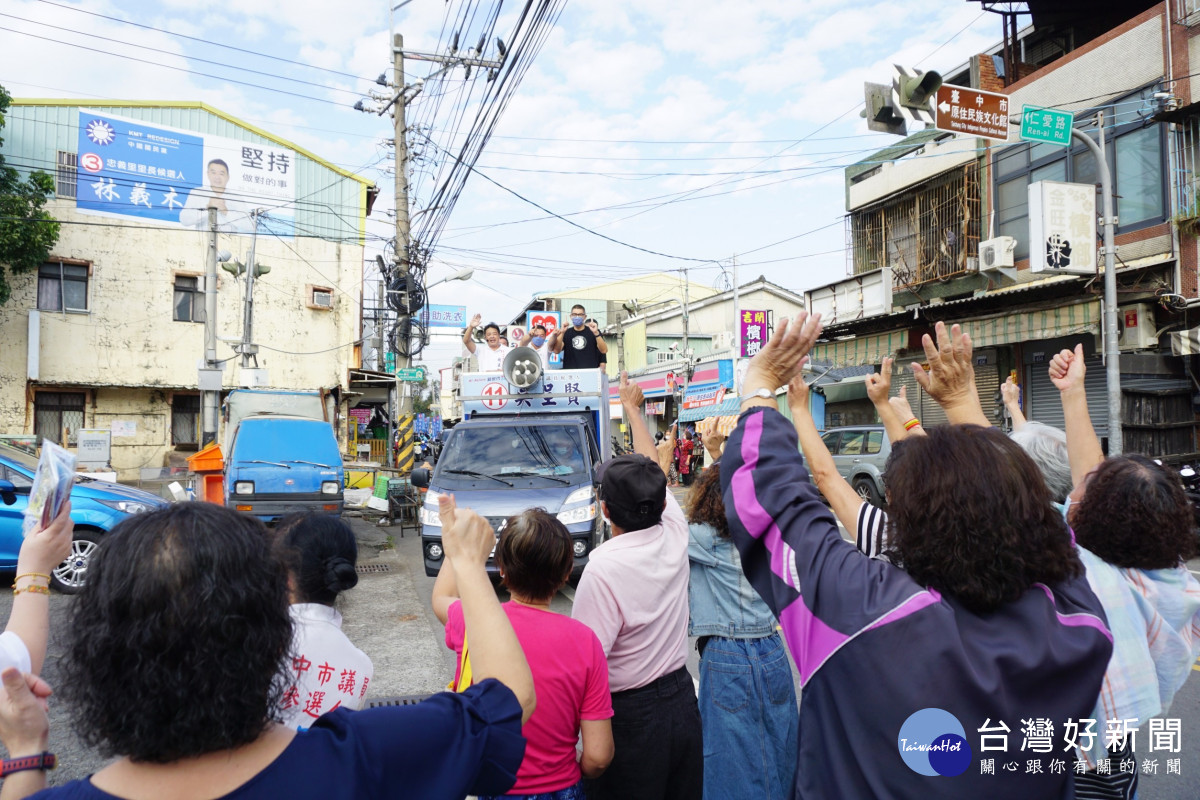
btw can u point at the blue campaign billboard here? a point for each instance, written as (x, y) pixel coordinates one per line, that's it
(129, 168)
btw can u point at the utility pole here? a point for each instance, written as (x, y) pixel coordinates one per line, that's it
(210, 399)
(1112, 355)
(737, 325)
(402, 419)
(400, 132)
(248, 349)
(687, 359)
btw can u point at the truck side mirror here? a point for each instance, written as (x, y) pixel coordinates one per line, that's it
(8, 493)
(420, 478)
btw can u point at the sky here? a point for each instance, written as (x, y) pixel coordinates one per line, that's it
(681, 135)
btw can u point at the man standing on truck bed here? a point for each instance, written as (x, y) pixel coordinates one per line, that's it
(581, 348)
(491, 357)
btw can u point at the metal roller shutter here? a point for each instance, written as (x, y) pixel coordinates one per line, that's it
(1043, 404)
(987, 385)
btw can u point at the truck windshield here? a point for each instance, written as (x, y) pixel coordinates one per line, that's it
(550, 451)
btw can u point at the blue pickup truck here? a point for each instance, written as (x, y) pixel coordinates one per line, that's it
(281, 455)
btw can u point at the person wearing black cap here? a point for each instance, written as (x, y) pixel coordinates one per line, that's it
(633, 594)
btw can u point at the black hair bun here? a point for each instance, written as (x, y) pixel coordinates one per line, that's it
(340, 574)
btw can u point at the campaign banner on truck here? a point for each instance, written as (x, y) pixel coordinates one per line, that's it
(129, 168)
(562, 390)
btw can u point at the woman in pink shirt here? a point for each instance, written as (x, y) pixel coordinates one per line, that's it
(570, 672)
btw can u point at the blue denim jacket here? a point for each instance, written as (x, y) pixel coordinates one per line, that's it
(722, 601)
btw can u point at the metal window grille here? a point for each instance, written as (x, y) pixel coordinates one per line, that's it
(185, 419)
(56, 414)
(66, 181)
(930, 232)
(1186, 190)
(1188, 12)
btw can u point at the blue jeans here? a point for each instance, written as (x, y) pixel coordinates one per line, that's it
(572, 792)
(750, 719)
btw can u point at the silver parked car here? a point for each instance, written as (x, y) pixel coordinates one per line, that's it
(860, 453)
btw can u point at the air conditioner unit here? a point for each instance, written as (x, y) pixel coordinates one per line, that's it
(996, 253)
(1136, 325)
(322, 298)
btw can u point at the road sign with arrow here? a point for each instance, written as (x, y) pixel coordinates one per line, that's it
(972, 112)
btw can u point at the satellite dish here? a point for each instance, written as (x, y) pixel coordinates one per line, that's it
(522, 367)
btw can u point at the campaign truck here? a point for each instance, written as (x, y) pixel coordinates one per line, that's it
(281, 454)
(527, 440)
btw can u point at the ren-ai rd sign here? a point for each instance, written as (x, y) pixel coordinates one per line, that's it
(1048, 125)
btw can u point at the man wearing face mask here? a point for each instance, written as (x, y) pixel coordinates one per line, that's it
(581, 348)
(536, 338)
(491, 357)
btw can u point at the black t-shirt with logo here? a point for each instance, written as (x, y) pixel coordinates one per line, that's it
(580, 350)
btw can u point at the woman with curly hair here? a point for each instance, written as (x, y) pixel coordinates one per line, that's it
(319, 553)
(1133, 525)
(984, 618)
(747, 699)
(176, 650)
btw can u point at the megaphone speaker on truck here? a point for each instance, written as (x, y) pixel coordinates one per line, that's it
(522, 367)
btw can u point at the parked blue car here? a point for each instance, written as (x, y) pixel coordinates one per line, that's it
(96, 506)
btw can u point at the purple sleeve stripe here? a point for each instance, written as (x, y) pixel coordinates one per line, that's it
(1080, 619)
(811, 641)
(912, 605)
(754, 518)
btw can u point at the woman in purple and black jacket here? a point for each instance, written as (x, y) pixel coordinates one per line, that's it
(986, 626)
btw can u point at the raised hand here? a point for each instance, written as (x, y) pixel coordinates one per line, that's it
(475, 320)
(1010, 392)
(632, 396)
(1067, 369)
(469, 540)
(951, 376)
(46, 548)
(797, 396)
(879, 385)
(900, 405)
(783, 356)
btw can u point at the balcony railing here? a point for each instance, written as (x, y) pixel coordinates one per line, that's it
(929, 232)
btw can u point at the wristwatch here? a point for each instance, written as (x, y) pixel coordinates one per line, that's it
(41, 761)
(761, 394)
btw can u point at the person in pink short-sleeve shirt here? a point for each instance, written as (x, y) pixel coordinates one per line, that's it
(570, 672)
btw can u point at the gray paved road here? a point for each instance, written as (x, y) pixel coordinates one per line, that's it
(388, 616)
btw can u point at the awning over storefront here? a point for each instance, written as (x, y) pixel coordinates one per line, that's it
(861, 349)
(1186, 343)
(1032, 326)
(726, 407)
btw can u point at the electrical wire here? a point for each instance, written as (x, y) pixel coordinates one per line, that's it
(204, 41)
(242, 69)
(177, 69)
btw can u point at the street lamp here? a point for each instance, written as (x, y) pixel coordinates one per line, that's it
(463, 274)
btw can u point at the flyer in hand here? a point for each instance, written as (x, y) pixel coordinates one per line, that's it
(51, 486)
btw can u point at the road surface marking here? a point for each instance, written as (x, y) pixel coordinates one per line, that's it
(568, 593)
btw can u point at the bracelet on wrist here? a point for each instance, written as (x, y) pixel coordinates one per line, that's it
(31, 575)
(42, 761)
(912, 423)
(36, 588)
